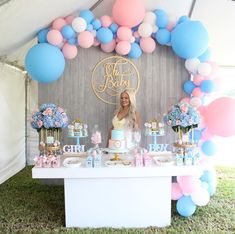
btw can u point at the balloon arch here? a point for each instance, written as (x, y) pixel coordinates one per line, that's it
(130, 32)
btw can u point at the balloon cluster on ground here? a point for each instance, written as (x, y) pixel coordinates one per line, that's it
(130, 32)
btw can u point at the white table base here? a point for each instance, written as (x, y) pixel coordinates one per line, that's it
(119, 202)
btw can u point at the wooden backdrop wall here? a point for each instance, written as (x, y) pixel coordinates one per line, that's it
(161, 77)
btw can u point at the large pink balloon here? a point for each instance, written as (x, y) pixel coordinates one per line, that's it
(128, 13)
(220, 117)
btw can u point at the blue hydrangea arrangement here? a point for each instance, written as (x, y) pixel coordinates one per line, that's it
(49, 116)
(182, 116)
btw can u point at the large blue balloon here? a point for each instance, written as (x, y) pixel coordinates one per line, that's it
(185, 206)
(45, 63)
(104, 35)
(189, 39)
(135, 51)
(205, 56)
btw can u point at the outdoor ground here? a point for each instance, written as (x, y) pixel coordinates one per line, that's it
(27, 206)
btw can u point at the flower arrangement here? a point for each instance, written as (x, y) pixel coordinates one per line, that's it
(49, 116)
(182, 117)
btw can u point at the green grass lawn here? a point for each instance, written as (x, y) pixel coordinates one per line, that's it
(27, 206)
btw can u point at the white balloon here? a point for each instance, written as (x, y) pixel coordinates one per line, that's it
(155, 28)
(192, 64)
(150, 18)
(145, 30)
(204, 69)
(79, 24)
(200, 197)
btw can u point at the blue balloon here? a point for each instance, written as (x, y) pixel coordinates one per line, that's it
(163, 36)
(162, 20)
(44, 63)
(208, 176)
(159, 12)
(188, 86)
(89, 27)
(189, 39)
(87, 15)
(113, 27)
(196, 135)
(42, 35)
(185, 206)
(209, 148)
(207, 86)
(205, 56)
(211, 188)
(67, 32)
(135, 51)
(182, 19)
(73, 41)
(104, 35)
(96, 24)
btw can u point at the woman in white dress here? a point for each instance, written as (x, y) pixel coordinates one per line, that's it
(126, 117)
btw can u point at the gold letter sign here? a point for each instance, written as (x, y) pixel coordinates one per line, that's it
(111, 76)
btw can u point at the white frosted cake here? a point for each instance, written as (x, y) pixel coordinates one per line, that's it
(117, 141)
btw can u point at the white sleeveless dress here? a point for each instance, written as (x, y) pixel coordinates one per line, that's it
(121, 125)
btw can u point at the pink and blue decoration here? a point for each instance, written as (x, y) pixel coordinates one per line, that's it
(132, 31)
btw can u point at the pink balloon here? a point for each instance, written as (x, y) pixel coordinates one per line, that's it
(170, 26)
(188, 184)
(54, 37)
(220, 115)
(69, 51)
(96, 42)
(136, 34)
(85, 39)
(207, 135)
(108, 47)
(196, 101)
(147, 44)
(176, 192)
(185, 100)
(124, 33)
(123, 47)
(69, 19)
(197, 92)
(128, 13)
(58, 23)
(198, 79)
(106, 21)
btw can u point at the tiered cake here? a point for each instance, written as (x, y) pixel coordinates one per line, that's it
(117, 141)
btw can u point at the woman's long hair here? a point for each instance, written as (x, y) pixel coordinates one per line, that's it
(131, 115)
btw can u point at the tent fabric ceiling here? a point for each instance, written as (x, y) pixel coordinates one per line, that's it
(20, 20)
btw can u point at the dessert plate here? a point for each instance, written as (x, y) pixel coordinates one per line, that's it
(72, 162)
(118, 163)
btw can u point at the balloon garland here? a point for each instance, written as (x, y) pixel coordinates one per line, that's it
(132, 31)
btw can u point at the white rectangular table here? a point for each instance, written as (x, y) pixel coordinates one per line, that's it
(117, 197)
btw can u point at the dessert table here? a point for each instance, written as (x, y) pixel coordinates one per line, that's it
(117, 196)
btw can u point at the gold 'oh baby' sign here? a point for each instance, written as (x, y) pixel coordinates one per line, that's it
(113, 75)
